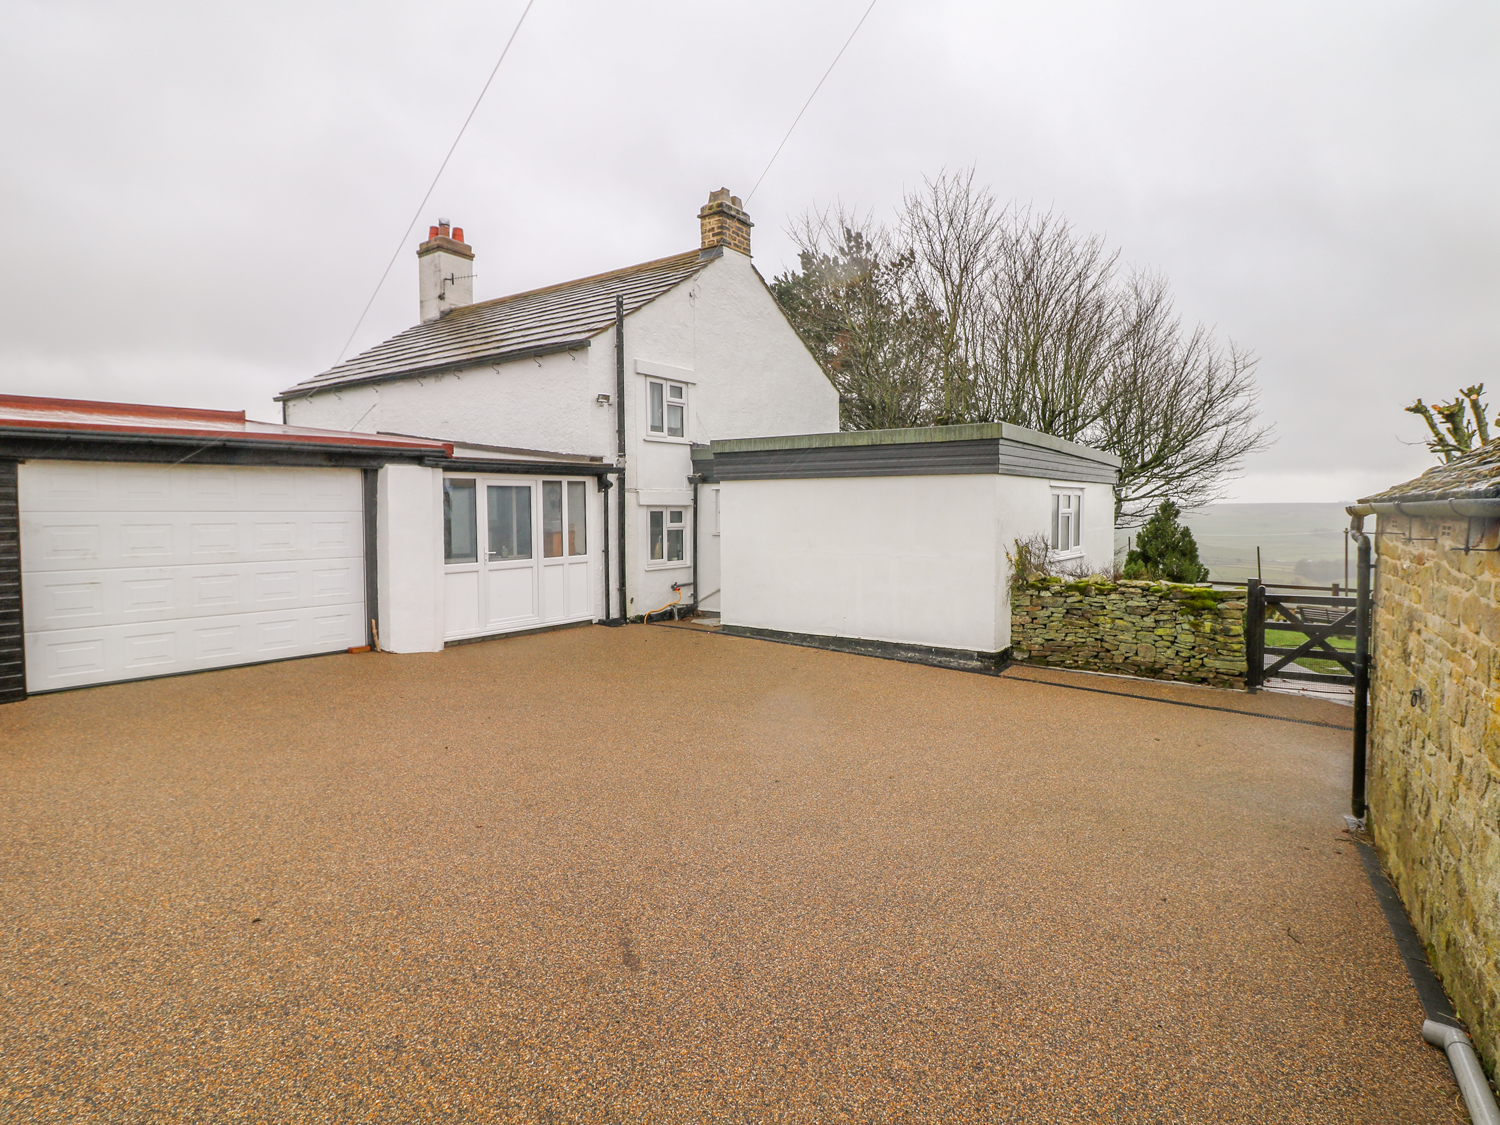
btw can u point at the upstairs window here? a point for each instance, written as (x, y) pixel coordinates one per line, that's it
(667, 404)
(1067, 510)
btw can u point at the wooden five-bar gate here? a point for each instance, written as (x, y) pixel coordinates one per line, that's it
(1319, 618)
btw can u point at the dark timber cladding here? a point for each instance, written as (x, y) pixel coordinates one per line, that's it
(12, 631)
(990, 448)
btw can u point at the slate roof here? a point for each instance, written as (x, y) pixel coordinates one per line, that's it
(557, 318)
(1473, 476)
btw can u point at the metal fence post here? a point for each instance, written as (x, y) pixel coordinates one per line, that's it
(1361, 675)
(1255, 634)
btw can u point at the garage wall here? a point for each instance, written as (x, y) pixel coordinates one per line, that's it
(12, 641)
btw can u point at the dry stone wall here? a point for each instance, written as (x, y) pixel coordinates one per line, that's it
(1434, 751)
(1156, 629)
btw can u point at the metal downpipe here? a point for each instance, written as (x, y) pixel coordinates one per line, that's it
(1361, 676)
(620, 451)
(1466, 1069)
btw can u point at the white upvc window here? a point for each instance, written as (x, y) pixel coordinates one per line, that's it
(1067, 522)
(666, 408)
(667, 540)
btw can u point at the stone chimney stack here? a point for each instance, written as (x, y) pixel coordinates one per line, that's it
(725, 223)
(445, 271)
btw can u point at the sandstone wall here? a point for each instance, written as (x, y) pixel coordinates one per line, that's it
(1155, 629)
(1434, 752)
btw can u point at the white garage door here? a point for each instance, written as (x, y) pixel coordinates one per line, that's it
(130, 571)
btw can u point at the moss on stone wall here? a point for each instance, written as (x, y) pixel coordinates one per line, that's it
(1157, 629)
(1434, 752)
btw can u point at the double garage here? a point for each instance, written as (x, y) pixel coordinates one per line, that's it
(142, 541)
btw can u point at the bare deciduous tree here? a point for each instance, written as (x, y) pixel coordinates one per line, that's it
(967, 311)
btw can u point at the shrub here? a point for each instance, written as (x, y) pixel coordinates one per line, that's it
(1165, 550)
(1032, 560)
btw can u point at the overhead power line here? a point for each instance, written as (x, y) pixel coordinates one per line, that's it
(401, 245)
(810, 98)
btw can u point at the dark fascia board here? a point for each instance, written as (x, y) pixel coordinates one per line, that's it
(918, 435)
(953, 458)
(523, 468)
(172, 449)
(982, 456)
(436, 369)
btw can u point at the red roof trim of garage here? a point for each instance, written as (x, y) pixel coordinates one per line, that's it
(82, 416)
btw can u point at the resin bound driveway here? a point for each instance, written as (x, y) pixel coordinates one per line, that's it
(652, 874)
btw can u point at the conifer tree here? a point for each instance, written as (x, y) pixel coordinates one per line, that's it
(1165, 550)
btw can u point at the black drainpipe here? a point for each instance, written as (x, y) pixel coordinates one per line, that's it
(1362, 617)
(604, 486)
(697, 479)
(620, 448)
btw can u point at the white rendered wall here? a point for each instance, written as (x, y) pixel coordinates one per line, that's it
(751, 376)
(1024, 508)
(912, 560)
(409, 553)
(906, 559)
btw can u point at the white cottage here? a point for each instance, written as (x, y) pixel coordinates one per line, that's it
(549, 458)
(550, 399)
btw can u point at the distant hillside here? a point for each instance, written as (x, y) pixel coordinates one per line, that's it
(1299, 543)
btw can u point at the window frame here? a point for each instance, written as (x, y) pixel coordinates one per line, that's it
(1075, 522)
(685, 526)
(452, 485)
(667, 385)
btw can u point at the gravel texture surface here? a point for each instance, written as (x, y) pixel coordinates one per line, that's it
(653, 874)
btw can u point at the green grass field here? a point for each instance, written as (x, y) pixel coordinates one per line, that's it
(1285, 638)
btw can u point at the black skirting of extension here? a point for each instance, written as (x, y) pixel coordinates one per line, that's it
(963, 660)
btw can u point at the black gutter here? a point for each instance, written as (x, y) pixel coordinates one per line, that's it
(26, 443)
(435, 369)
(526, 468)
(624, 600)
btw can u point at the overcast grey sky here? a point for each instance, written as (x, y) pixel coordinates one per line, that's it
(196, 200)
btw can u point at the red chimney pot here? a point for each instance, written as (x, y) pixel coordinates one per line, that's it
(431, 233)
(458, 234)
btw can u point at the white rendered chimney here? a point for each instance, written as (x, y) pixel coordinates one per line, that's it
(445, 271)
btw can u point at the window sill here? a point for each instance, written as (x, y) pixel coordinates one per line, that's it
(1065, 556)
(667, 440)
(669, 566)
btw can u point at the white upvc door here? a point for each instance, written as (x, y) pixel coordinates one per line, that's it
(516, 554)
(565, 555)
